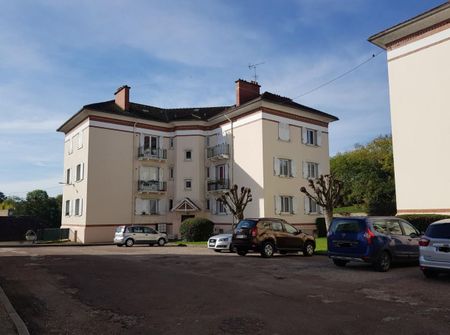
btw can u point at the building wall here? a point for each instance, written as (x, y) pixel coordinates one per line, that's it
(419, 81)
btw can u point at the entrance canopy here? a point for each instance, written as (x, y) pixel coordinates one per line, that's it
(186, 205)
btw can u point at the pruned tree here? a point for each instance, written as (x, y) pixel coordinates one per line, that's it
(235, 201)
(326, 192)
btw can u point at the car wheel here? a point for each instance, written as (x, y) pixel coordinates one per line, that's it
(308, 249)
(161, 242)
(242, 252)
(429, 273)
(129, 242)
(383, 263)
(267, 249)
(340, 262)
(231, 248)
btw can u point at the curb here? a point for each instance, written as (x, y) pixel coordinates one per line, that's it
(15, 318)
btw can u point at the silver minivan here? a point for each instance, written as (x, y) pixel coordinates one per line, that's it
(435, 248)
(130, 235)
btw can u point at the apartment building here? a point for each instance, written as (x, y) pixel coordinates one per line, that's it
(129, 163)
(418, 58)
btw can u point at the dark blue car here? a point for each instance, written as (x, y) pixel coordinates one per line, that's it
(375, 240)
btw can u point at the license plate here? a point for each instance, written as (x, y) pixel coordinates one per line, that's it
(241, 236)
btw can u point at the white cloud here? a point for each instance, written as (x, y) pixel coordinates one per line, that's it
(20, 188)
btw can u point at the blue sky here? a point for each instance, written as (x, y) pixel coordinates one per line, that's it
(56, 56)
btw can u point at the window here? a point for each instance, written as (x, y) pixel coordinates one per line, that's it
(68, 176)
(79, 172)
(69, 146)
(208, 206)
(171, 173)
(78, 207)
(220, 172)
(188, 155)
(311, 170)
(67, 208)
(162, 228)
(80, 140)
(171, 140)
(220, 207)
(393, 227)
(147, 206)
(277, 226)
(290, 229)
(207, 172)
(283, 131)
(286, 204)
(151, 145)
(285, 167)
(188, 184)
(409, 229)
(311, 206)
(311, 137)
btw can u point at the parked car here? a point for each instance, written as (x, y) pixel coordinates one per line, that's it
(375, 240)
(130, 235)
(220, 242)
(268, 235)
(435, 248)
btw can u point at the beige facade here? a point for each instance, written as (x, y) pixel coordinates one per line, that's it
(132, 169)
(418, 54)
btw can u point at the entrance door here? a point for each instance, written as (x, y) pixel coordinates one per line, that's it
(184, 217)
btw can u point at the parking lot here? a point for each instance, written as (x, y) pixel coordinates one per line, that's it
(192, 290)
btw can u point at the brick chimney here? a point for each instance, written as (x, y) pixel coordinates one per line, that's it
(123, 97)
(246, 91)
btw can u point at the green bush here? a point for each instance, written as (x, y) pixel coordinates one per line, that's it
(196, 229)
(321, 227)
(421, 221)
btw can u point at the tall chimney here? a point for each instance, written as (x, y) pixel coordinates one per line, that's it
(123, 97)
(246, 91)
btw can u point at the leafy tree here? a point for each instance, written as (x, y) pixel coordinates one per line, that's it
(196, 229)
(326, 192)
(2, 197)
(367, 173)
(236, 202)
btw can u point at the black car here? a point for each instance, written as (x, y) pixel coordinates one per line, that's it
(269, 235)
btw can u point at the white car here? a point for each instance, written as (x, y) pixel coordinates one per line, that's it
(434, 248)
(220, 242)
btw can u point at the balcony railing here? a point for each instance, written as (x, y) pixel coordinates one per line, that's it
(152, 186)
(152, 153)
(219, 151)
(218, 185)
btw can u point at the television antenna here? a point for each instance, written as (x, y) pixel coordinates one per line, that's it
(253, 66)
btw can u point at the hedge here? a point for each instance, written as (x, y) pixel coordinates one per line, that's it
(196, 229)
(421, 221)
(321, 227)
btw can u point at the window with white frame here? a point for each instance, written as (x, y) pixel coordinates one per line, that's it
(67, 208)
(285, 167)
(188, 184)
(283, 131)
(147, 206)
(220, 207)
(68, 176)
(151, 144)
(69, 146)
(78, 207)
(286, 204)
(311, 170)
(162, 227)
(311, 206)
(79, 172)
(311, 136)
(80, 139)
(171, 142)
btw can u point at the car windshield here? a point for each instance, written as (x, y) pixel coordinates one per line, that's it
(441, 230)
(346, 226)
(246, 224)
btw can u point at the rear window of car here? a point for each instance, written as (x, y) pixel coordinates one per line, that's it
(441, 230)
(347, 226)
(120, 229)
(246, 224)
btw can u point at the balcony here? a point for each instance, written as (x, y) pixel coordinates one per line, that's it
(152, 186)
(152, 154)
(218, 185)
(220, 151)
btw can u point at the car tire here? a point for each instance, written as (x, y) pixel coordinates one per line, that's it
(308, 249)
(120, 245)
(267, 249)
(242, 252)
(340, 262)
(430, 273)
(231, 249)
(383, 263)
(129, 242)
(161, 242)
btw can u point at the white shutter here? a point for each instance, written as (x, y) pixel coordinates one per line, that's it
(138, 206)
(212, 173)
(304, 135)
(213, 206)
(161, 174)
(82, 171)
(142, 173)
(293, 168)
(160, 142)
(71, 207)
(277, 204)
(276, 166)
(80, 140)
(319, 170)
(305, 170)
(319, 138)
(81, 206)
(226, 172)
(307, 210)
(162, 206)
(294, 205)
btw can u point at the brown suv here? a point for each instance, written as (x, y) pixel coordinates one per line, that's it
(267, 235)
